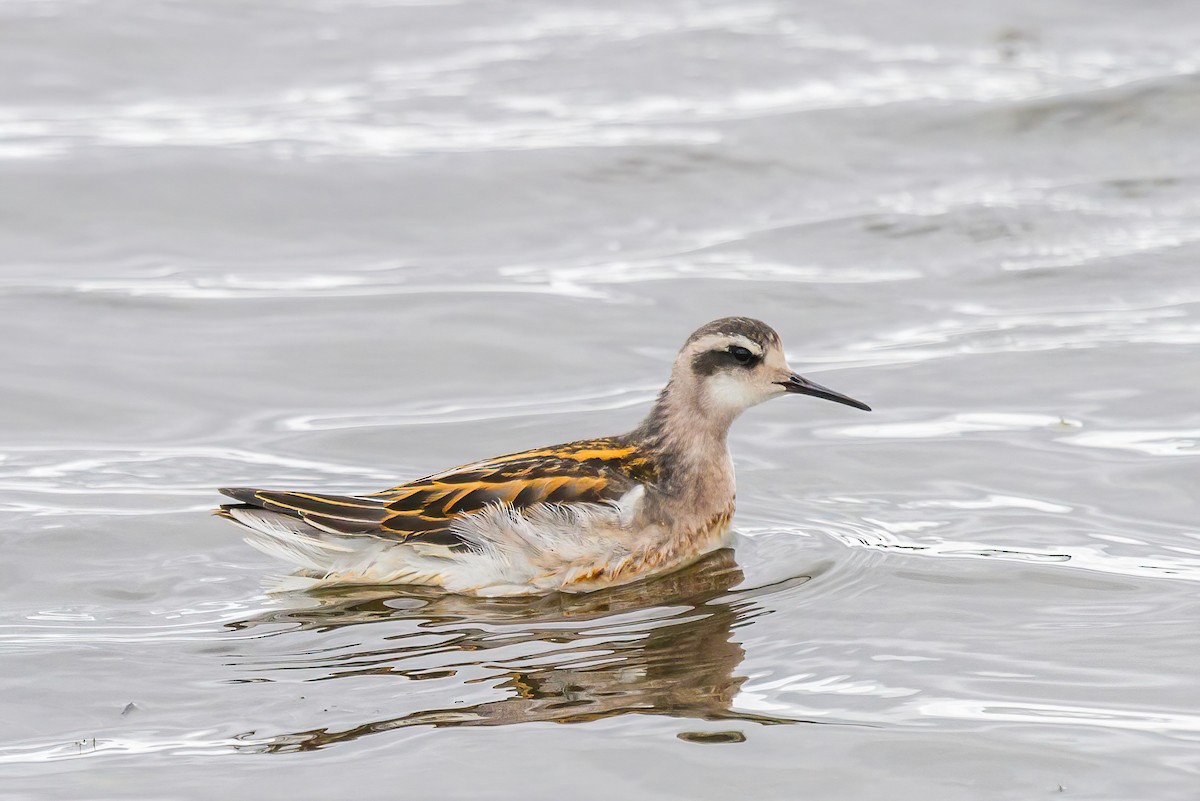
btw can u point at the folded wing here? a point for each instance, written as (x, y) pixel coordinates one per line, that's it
(425, 510)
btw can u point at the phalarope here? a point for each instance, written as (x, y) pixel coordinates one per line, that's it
(571, 518)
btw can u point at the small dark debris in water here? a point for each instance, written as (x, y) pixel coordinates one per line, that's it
(417, 675)
(129, 709)
(711, 736)
(1061, 789)
(1014, 42)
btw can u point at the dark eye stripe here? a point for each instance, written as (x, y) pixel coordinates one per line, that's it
(710, 361)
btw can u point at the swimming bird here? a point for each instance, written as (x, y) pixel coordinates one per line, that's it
(570, 518)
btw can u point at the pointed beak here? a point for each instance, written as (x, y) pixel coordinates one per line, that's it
(802, 386)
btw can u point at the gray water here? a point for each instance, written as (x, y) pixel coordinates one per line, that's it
(339, 243)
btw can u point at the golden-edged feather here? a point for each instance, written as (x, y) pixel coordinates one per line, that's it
(588, 471)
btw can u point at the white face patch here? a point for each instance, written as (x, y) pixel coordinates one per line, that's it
(732, 388)
(735, 392)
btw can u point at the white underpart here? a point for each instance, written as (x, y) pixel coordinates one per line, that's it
(510, 551)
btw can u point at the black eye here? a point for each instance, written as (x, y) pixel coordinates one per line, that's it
(741, 355)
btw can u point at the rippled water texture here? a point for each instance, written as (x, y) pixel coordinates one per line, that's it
(338, 243)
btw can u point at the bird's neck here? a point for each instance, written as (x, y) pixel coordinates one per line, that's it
(689, 446)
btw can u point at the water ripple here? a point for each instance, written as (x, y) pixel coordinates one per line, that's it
(1157, 442)
(148, 480)
(209, 286)
(483, 410)
(1041, 714)
(976, 329)
(938, 538)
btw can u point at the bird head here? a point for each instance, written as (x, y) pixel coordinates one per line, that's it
(734, 363)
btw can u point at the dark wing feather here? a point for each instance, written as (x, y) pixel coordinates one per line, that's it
(424, 510)
(341, 514)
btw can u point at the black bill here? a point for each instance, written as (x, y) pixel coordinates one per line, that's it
(802, 386)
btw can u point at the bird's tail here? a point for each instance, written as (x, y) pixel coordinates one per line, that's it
(325, 558)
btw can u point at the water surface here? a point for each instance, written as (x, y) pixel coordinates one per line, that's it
(338, 243)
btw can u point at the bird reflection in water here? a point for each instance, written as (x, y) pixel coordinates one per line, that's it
(671, 651)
